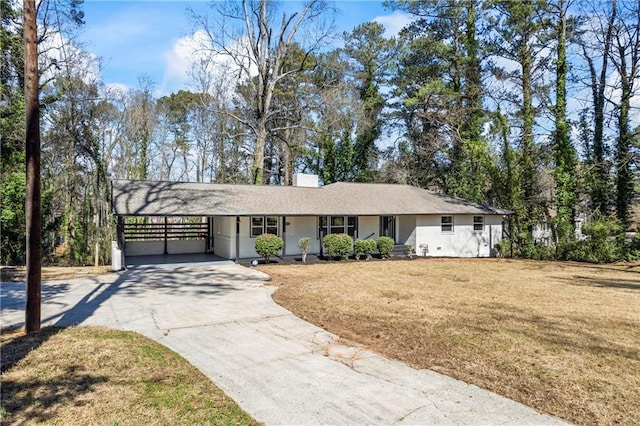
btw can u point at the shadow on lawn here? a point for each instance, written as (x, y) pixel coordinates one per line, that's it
(15, 349)
(603, 282)
(33, 398)
(576, 335)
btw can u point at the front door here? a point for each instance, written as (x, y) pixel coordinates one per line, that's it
(388, 227)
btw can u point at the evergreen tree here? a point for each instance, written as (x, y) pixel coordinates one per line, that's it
(370, 53)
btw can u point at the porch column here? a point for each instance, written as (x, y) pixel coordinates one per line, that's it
(284, 236)
(237, 239)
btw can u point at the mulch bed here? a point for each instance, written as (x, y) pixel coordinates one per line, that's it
(313, 259)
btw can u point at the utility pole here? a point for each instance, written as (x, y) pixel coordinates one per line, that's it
(97, 217)
(32, 145)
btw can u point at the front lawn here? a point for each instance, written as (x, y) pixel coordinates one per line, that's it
(97, 376)
(563, 338)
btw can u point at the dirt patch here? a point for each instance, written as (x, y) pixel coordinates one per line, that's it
(559, 337)
(53, 273)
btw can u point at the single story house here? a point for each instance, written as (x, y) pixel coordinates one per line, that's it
(225, 219)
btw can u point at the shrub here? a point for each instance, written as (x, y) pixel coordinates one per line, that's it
(385, 245)
(410, 252)
(602, 245)
(534, 251)
(503, 248)
(268, 245)
(337, 245)
(364, 248)
(633, 250)
(304, 244)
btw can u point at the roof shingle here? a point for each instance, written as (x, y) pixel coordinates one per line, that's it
(159, 198)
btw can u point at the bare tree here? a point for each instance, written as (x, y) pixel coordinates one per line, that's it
(602, 23)
(249, 34)
(625, 58)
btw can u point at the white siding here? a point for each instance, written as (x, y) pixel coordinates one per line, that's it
(142, 248)
(368, 225)
(224, 236)
(406, 230)
(414, 230)
(155, 247)
(247, 244)
(462, 242)
(186, 246)
(299, 227)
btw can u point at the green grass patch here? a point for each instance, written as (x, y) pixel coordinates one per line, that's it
(88, 375)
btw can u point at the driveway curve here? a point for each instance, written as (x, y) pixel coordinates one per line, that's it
(277, 367)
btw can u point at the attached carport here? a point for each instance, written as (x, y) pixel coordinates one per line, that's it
(160, 223)
(169, 218)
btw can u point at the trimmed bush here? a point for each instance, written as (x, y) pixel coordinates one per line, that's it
(363, 248)
(268, 245)
(337, 245)
(304, 244)
(385, 245)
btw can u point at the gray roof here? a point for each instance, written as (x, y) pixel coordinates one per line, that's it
(156, 198)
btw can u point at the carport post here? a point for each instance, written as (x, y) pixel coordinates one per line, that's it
(237, 239)
(166, 251)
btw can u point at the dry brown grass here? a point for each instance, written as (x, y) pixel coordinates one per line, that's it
(97, 376)
(52, 273)
(563, 338)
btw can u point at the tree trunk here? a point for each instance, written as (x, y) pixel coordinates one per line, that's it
(624, 176)
(472, 127)
(258, 156)
(564, 153)
(32, 143)
(599, 192)
(528, 166)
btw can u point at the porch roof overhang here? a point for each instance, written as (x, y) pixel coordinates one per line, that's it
(162, 198)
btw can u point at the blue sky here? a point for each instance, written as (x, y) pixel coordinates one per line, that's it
(141, 37)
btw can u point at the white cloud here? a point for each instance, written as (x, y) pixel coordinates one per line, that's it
(195, 53)
(116, 88)
(58, 56)
(394, 23)
(179, 59)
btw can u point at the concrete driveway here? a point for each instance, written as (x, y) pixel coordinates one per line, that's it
(277, 367)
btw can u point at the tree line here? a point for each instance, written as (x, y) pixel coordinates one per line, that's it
(526, 105)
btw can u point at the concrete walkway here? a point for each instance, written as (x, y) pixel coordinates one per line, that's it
(277, 367)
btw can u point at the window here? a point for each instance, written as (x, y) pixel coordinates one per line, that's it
(272, 225)
(478, 223)
(338, 225)
(352, 226)
(264, 225)
(446, 223)
(257, 226)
